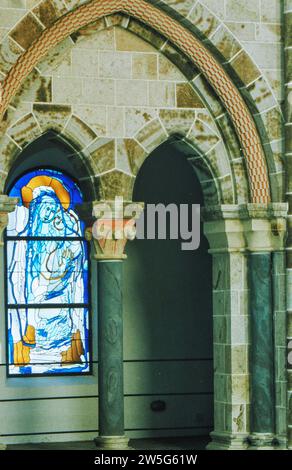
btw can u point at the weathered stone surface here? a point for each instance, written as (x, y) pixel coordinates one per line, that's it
(138, 95)
(226, 43)
(266, 32)
(118, 19)
(3, 32)
(95, 116)
(151, 135)
(25, 130)
(220, 328)
(51, 116)
(9, 53)
(74, 3)
(262, 94)
(274, 80)
(209, 96)
(130, 41)
(9, 16)
(58, 60)
(3, 177)
(168, 71)
(248, 10)
(175, 120)
(243, 31)
(122, 161)
(273, 121)
(225, 184)
(115, 121)
(26, 31)
(147, 34)
(145, 66)
(115, 183)
(69, 90)
(265, 55)
(218, 160)
(114, 65)
(8, 153)
(271, 11)
(12, 115)
(203, 19)
(161, 94)
(79, 132)
(48, 11)
(21, 4)
(203, 172)
(100, 92)
(245, 68)
(241, 179)
(181, 6)
(238, 357)
(35, 88)
(230, 137)
(277, 148)
(130, 149)
(186, 97)
(85, 63)
(136, 118)
(180, 60)
(288, 26)
(205, 116)
(238, 417)
(210, 191)
(277, 181)
(102, 155)
(95, 36)
(203, 136)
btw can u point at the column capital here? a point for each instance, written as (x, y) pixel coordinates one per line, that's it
(7, 204)
(265, 227)
(245, 227)
(111, 225)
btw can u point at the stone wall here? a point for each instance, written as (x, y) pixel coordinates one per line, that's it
(116, 89)
(241, 36)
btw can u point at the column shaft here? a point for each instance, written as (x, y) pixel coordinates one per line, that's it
(2, 318)
(262, 345)
(287, 28)
(110, 349)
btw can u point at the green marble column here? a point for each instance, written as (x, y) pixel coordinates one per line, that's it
(110, 353)
(262, 350)
(3, 313)
(114, 226)
(287, 54)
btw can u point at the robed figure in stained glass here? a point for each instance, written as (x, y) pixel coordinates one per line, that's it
(47, 278)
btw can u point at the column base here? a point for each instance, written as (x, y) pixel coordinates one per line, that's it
(228, 441)
(281, 442)
(261, 441)
(112, 442)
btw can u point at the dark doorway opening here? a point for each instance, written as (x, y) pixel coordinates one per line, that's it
(168, 313)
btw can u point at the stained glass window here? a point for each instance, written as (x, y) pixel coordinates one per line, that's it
(47, 278)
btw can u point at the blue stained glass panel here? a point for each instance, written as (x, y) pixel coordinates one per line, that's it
(47, 277)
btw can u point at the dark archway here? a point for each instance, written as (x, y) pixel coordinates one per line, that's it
(168, 313)
(52, 151)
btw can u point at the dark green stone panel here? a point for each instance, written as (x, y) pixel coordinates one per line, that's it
(262, 347)
(110, 349)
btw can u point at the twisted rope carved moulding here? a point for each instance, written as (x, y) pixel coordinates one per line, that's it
(185, 41)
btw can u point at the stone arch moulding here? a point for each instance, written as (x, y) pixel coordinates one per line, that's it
(79, 164)
(185, 41)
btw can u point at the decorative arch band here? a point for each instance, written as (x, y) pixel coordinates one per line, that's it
(186, 42)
